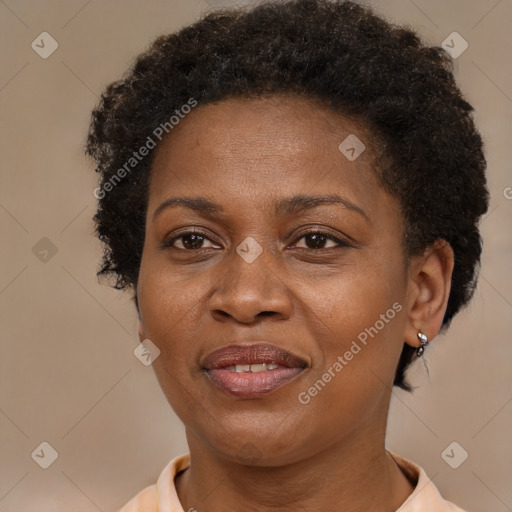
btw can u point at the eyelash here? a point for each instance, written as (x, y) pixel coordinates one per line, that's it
(168, 244)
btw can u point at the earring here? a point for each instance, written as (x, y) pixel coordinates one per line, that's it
(423, 343)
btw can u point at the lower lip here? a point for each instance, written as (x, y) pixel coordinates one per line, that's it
(252, 385)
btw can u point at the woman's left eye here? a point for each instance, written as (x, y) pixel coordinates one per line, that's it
(318, 239)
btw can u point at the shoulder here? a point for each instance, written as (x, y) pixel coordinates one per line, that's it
(425, 497)
(162, 496)
(144, 501)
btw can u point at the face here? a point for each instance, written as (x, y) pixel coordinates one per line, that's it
(275, 293)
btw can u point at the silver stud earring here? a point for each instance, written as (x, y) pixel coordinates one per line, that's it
(423, 343)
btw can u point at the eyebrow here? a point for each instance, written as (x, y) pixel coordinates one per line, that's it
(285, 207)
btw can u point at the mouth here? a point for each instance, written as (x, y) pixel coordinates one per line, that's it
(252, 371)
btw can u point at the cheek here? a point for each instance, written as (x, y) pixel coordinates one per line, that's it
(355, 297)
(363, 314)
(354, 375)
(169, 310)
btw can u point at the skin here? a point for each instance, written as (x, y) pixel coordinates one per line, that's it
(245, 155)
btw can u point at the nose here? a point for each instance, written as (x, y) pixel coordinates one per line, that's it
(246, 292)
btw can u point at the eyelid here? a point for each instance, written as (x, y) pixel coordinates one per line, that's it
(169, 240)
(340, 237)
(340, 241)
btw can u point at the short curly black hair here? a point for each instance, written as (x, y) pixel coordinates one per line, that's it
(344, 56)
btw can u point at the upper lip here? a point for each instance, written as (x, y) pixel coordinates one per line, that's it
(254, 353)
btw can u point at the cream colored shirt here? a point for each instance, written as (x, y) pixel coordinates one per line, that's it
(162, 496)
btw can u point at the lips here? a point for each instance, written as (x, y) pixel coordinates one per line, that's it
(251, 371)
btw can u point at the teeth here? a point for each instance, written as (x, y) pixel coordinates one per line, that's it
(253, 368)
(256, 368)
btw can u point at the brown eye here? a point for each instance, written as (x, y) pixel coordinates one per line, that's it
(191, 241)
(318, 239)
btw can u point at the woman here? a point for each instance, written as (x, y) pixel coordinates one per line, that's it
(292, 192)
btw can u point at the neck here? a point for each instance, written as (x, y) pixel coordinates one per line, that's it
(351, 476)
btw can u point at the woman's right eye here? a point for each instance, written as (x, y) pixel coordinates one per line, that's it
(191, 241)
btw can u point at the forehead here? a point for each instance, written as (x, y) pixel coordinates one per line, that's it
(263, 148)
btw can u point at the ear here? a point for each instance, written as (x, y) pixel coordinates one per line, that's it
(429, 285)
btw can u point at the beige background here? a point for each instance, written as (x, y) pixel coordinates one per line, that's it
(68, 375)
